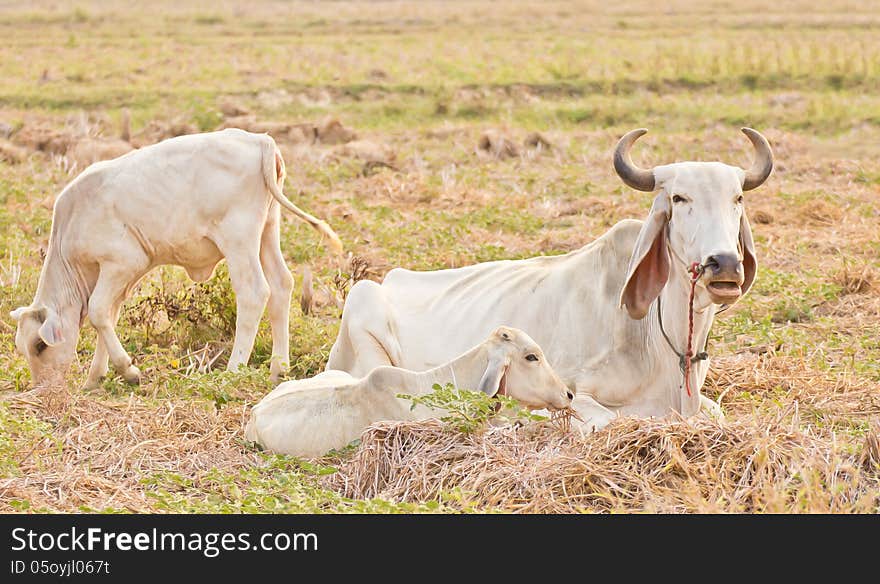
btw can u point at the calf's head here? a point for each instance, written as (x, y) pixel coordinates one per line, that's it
(698, 217)
(42, 339)
(517, 368)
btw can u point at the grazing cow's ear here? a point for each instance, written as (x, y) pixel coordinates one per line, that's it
(50, 331)
(19, 312)
(750, 262)
(649, 264)
(493, 379)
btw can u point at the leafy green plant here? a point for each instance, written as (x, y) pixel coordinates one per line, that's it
(467, 411)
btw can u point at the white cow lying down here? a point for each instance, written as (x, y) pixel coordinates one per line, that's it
(596, 311)
(189, 201)
(309, 417)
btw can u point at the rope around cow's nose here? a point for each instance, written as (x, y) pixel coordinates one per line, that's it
(695, 270)
(686, 359)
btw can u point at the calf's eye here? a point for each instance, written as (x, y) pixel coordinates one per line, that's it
(678, 199)
(739, 199)
(40, 346)
(531, 357)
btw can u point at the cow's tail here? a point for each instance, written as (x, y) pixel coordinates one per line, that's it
(273, 173)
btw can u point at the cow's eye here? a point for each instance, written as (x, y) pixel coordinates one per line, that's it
(531, 357)
(678, 199)
(739, 199)
(40, 346)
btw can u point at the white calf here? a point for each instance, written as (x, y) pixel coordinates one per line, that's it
(309, 417)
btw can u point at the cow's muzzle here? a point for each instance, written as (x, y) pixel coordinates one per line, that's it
(724, 278)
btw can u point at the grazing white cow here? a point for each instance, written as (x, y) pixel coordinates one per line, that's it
(189, 201)
(309, 417)
(618, 361)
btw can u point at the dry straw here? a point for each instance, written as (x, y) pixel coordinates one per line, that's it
(99, 453)
(664, 466)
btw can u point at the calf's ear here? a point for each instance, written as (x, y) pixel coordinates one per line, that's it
(50, 331)
(493, 379)
(649, 263)
(750, 262)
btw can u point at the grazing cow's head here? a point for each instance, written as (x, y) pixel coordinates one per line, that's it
(44, 342)
(517, 368)
(697, 217)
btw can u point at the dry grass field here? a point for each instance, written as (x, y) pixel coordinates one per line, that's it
(427, 158)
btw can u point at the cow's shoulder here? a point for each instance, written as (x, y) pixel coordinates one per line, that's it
(623, 234)
(615, 245)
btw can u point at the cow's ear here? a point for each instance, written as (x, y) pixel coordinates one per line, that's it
(19, 312)
(503, 333)
(50, 331)
(750, 262)
(493, 380)
(649, 264)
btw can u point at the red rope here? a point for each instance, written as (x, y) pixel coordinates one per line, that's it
(696, 270)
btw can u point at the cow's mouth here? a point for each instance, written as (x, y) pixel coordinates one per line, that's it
(724, 291)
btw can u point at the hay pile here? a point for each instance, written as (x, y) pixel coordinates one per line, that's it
(650, 465)
(98, 453)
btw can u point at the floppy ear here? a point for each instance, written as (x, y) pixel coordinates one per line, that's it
(649, 264)
(493, 378)
(750, 262)
(50, 331)
(19, 312)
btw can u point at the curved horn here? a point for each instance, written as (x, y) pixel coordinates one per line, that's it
(637, 178)
(763, 165)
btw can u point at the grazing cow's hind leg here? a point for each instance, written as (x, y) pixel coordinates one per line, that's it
(251, 294)
(108, 294)
(280, 288)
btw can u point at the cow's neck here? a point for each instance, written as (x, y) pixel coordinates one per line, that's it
(674, 312)
(465, 372)
(62, 286)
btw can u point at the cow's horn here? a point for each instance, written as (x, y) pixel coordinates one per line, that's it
(638, 178)
(763, 165)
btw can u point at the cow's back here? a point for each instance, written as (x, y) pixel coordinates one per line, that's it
(561, 301)
(170, 196)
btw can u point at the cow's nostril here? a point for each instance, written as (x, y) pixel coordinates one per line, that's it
(726, 265)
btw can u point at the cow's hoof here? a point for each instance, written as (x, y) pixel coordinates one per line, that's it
(91, 384)
(132, 375)
(276, 377)
(710, 409)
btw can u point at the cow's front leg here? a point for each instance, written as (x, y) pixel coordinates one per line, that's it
(103, 310)
(710, 409)
(99, 367)
(101, 361)
(594, 416)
